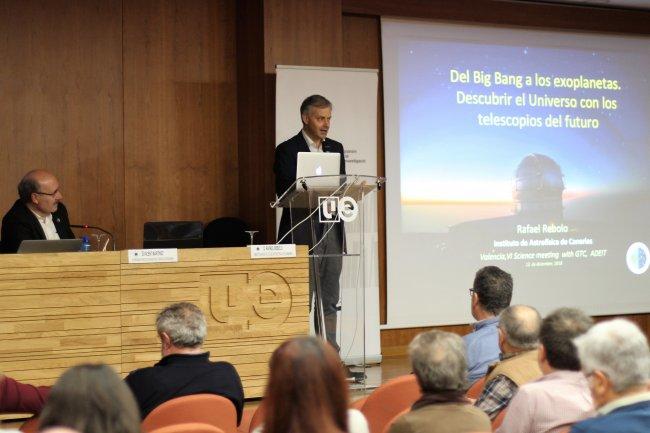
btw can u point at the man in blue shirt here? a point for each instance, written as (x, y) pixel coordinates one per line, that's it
(491, 294)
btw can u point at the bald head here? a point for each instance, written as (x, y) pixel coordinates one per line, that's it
(520, 325)
(39, 190)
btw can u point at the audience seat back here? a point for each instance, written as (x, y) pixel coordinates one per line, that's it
(358, 403)
(200, 408)
(496, 423)
(190, 427)
(258, 418)
(476, 389)
(390, 399)
(389, 423)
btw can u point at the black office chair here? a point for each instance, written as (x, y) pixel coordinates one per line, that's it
(226, 232)
(173, 234)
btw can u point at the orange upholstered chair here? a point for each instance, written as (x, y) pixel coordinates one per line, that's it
(390, 399)
(200, 408)
(389, 423)
(498, 420)
(358, 403)
(246, 417)
(190, 427)
(476, 389)
(258, 417)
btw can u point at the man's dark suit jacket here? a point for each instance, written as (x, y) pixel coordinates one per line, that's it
(286, 159)
(180, 375)
(20, 224)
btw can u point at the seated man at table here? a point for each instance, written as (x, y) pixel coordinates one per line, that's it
(185, 368)
(37, 214)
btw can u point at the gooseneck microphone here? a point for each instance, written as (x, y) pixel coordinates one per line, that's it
(86, 226)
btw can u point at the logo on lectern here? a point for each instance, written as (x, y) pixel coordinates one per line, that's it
(337, 209)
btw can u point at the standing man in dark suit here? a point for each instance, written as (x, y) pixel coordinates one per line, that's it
(316, 114)
(37, 214)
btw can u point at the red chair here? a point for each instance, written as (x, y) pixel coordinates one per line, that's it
(496, 423)
(200, 408)
(190, 427)
(476, 389)
(390, 399)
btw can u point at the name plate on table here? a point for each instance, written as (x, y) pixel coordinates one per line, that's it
(273, 251)
(154, 255)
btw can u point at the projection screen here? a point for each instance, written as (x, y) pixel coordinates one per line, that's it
(528, 150)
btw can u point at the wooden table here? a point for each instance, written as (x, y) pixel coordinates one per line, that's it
(59, 310)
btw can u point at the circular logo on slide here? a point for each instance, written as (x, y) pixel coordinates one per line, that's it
(638, 258)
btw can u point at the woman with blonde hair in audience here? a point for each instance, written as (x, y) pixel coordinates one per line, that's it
(91, 398)
(307, 391)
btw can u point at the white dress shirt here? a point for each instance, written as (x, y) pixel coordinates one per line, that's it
(47, 224)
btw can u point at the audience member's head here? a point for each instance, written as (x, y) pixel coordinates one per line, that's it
(491, 292)
(181, 328)
(307, 391)
(91, 398)
(556, 337)
(438, 361)
(39, 189)
(616, 359)
(519, 327)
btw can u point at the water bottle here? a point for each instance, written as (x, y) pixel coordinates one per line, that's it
(85, 244)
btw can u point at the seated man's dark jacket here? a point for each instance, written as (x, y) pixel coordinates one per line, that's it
(284, 167)
(21, 224)
(180, 375)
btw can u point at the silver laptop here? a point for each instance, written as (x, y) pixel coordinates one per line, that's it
(319, 164)
(49, 246)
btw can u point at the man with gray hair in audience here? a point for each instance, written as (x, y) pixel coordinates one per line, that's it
(185, 368)
(519, 327)
(561, 397)
(616, 360)
(439, 362)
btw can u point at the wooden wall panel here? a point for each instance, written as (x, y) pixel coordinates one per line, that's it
(294, 32)
(518, 13)
(302, 32)
(61, 89)
(255, 122)
(180, 111)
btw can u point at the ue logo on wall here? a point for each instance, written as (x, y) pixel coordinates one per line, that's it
(337, 209)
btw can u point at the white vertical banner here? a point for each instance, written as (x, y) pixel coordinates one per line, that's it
(353, 93)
